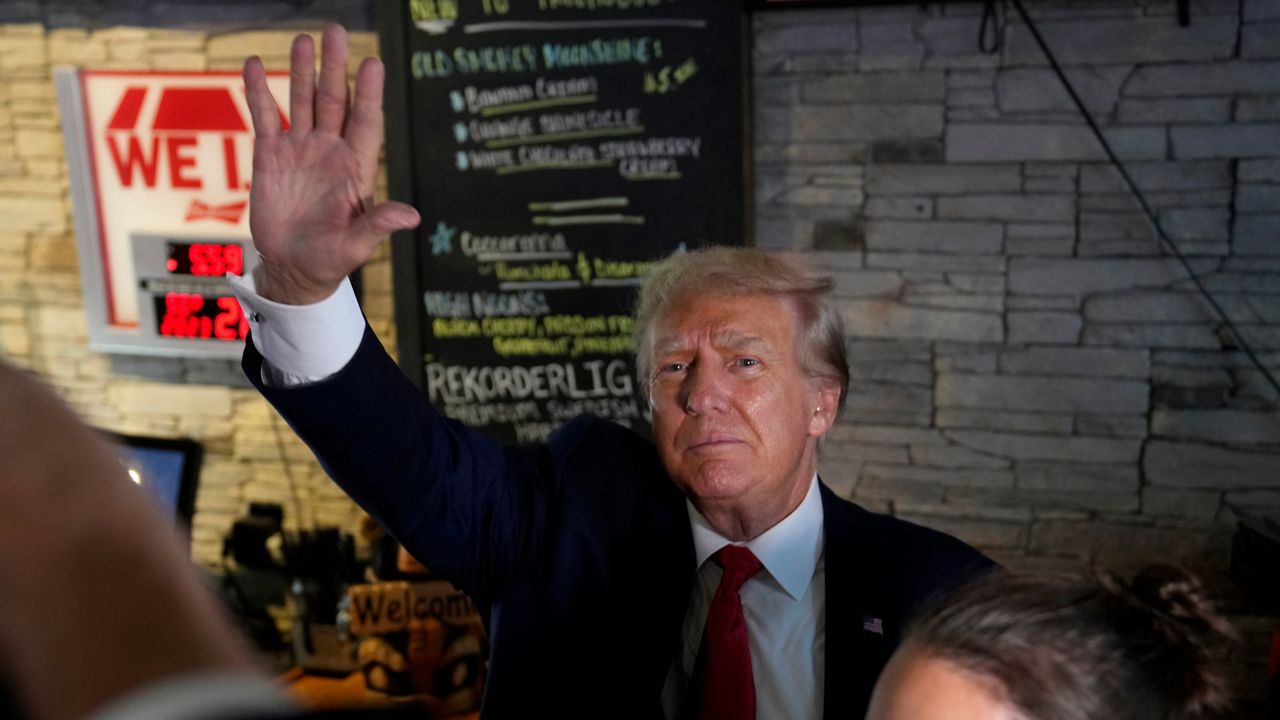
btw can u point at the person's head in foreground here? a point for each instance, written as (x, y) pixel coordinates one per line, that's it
(1014, 646)
(743, 359)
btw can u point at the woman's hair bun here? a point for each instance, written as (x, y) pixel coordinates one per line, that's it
(1194, 636)
(1175, 593)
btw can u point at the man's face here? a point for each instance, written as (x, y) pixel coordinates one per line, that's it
(735, 417)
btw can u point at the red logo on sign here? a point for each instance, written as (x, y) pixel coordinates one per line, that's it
(169, 153)
(230, 213)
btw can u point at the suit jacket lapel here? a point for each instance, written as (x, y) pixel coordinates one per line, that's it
(645, 630)
(843, 630)
(855, 650)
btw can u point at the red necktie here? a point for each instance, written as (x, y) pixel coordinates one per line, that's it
(722, 680)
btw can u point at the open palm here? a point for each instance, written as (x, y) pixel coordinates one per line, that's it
(311, 205)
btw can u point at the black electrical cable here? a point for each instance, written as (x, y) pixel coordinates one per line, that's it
(1142, 200)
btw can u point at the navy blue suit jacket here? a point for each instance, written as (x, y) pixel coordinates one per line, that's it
(578, 552)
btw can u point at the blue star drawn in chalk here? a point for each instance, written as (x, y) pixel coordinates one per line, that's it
(455, 100)
(460, 132)
(442, 239)
(461, 161)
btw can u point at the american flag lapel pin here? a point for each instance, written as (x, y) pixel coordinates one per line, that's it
(872, 625)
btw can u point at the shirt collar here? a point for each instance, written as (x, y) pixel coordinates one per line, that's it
(788, 550)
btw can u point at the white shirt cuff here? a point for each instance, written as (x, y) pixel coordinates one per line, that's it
(302, 343)
(202, 696)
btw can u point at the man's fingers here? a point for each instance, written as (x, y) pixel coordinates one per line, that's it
(331, 93)
(262, 108)
(374, 226)
(364, 129)
(302, 84)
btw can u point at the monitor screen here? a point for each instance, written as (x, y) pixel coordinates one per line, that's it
(167, 469)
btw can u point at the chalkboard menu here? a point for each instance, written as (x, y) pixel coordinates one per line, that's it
(556, 150)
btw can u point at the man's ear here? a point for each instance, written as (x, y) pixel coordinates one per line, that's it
(826, 402)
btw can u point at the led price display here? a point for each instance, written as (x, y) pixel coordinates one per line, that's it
(205, 259)
(192, 315)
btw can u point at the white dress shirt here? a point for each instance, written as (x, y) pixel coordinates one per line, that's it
(785, 609)
(301, 343)
(784, 604)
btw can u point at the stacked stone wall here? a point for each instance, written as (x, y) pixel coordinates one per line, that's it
(1032, 371)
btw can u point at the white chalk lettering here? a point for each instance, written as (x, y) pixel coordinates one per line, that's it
(481, 130)
(655, 167)
(556, 155)
(528, 302)
(616, 408)
(480, 99)
(533, 432)
(447, 304)
(589, 120)
(568, 87)
(649, 147)
(489, 159)
(457, 384)
(478, 415)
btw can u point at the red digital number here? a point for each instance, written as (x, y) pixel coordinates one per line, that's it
(216, 265)
(196, 254)
(230, 324)
(187, 315)
(206, 259)
(234, 256)
(212, 259)
(181, 318)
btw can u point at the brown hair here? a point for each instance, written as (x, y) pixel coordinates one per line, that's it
(747, 271)
(1061, 648)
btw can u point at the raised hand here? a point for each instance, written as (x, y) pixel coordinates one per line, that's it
(311, 207)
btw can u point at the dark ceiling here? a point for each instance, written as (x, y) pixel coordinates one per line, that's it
(217, 15)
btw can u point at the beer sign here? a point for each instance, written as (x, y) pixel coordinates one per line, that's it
(161, 164)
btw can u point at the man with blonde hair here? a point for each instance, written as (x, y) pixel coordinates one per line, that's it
(708, 573)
